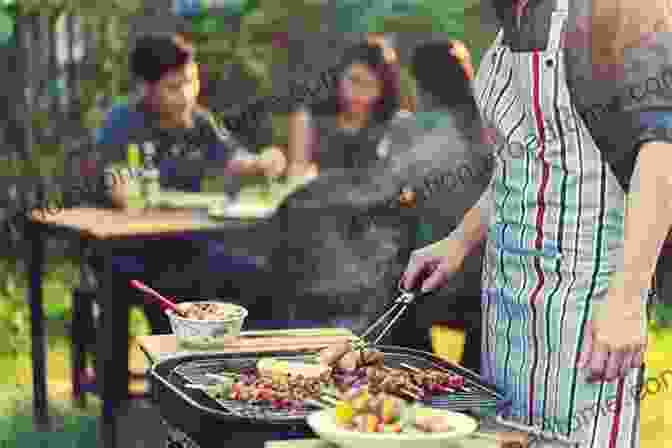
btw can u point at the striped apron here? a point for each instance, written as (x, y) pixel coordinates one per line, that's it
(555, 238)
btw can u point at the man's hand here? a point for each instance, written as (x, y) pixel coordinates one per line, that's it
(429, 271)
(272, 162)
(616, 338)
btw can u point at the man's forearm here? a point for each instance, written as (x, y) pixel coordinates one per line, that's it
(648, 217)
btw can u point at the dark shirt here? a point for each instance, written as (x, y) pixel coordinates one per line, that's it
(337, 148)
(182, 154)
(629, 104)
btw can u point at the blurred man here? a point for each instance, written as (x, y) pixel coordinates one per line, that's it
(186, 140)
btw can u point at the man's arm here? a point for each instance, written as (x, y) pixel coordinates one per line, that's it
(239, 160)
(648, 217)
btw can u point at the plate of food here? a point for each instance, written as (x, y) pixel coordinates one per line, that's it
(182, 200)
(368, 420)
(259, 201)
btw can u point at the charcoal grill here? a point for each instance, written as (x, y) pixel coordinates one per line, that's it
(208, 421)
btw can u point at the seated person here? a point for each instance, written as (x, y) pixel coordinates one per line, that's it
(443, 71)
(186, 139)
(345, 130)
(341, 238)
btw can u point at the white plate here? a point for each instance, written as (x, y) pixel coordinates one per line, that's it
(242, 210)
(179, 199)
(323, 423)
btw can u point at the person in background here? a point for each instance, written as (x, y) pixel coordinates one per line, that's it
(186, 139)
(341, 239)
(345, 130)
(442, 72)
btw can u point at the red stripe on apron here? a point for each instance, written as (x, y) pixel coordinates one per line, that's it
(540, 200)
(613, 437)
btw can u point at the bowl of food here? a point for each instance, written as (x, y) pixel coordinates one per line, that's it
(207, 324)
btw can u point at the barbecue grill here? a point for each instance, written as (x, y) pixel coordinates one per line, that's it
(207, 421)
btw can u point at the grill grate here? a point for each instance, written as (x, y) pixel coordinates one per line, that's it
(475, 397)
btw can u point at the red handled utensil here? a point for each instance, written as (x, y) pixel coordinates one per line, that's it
(163, 302)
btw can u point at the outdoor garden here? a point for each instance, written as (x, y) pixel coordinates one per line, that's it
(68, 102)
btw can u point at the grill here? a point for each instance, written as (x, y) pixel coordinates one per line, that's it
(192, 411)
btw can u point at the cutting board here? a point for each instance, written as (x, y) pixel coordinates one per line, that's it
(161, 346)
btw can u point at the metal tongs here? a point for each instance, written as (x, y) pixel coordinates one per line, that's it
(400, 305)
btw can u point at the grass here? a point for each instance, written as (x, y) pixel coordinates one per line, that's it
(77, 428)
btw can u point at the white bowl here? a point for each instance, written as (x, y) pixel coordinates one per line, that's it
(323, 423)
(208, 334)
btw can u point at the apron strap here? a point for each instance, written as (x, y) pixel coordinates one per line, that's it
(562, 5)
(558, 19)
(500, 37)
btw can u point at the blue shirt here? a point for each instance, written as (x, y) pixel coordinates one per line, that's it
(182, 154)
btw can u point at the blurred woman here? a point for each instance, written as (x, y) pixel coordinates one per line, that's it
(345, 130)
(342, 239)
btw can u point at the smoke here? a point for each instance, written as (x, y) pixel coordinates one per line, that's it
(347, 236)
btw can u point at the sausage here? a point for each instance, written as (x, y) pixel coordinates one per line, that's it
(349, 361)
(331, 355)
(372, 357)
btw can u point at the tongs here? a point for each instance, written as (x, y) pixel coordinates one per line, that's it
(400, 305)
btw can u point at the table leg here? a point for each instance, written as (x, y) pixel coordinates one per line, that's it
(114, 354)
(38, 334)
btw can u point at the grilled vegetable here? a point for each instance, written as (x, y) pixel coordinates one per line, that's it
(344, 413)
(391, 409)
(361, 402)
(393, 428)
(372, 422)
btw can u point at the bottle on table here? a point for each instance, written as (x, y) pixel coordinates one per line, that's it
(131, 174)
(149, 178)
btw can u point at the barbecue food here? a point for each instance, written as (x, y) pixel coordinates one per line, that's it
(331, 355)
(433, 423)
(210, 311)
(346, 357)
(366, 412)
(349, 374)
(271, 368)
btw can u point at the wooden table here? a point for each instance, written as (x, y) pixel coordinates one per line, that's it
(108, 230)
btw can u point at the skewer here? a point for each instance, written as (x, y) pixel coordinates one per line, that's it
(410, 394)
(446, 388)
(222, 377)
(411, 368)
